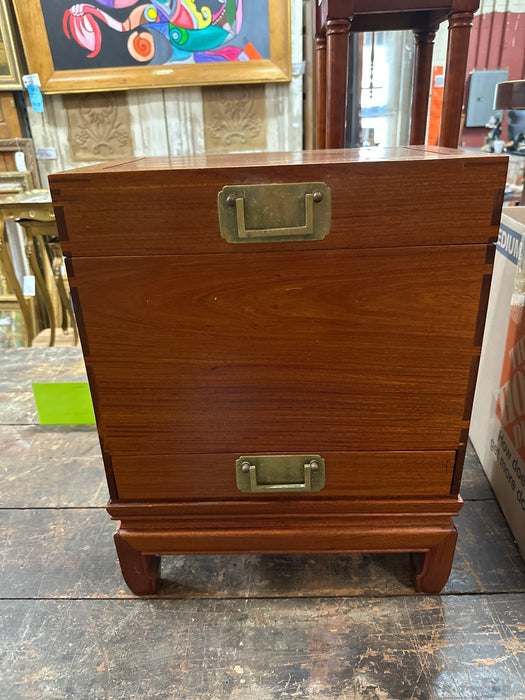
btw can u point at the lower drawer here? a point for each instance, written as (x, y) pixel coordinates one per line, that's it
(348, 475)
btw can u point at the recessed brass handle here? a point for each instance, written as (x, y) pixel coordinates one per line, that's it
(272, 212)
(280, 473)
(306, 230)
(263, 488)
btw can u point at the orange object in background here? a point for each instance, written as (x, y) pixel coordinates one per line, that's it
(436, 105)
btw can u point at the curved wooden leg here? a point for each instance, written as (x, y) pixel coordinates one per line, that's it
(140, 571)
(431, 569)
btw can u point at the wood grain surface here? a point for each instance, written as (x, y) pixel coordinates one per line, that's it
(349, 474)
(423, 197)
(347, 350)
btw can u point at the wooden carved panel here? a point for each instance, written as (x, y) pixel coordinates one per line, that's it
(234, 118)
(98, 126)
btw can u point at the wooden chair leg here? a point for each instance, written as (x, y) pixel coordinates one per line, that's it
(337, 33)
(431, 569)
(40, 281)
(460, 24)
(421, 85)
(140, 571)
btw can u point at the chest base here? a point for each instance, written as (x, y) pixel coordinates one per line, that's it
(424, 528)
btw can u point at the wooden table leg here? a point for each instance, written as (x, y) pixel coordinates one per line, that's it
(421, 85)
(337, 33)
(431, 569)
(48, 276)
(320, 93)
(140, 571)
(460, 24)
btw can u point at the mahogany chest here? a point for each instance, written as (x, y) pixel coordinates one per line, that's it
(282, 348)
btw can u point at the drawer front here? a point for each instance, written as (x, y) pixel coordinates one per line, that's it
(311, 352)
(347, 475)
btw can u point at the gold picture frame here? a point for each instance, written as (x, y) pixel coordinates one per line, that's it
(11, 146)
(10, 70)
(14, 182)
(44, 50)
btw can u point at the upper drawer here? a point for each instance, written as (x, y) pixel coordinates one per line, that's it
(379, 198)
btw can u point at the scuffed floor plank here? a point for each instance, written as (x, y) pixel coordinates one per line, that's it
(451, 648)
(487, 557)
(53, 483)
(20, 368)
(474, 483)
(17, 408)
(51, 466)
(40, 442)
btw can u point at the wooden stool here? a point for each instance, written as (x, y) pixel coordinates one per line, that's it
(333, 22)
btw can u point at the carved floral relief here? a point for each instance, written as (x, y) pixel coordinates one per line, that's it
(99, 126)
(234, 119)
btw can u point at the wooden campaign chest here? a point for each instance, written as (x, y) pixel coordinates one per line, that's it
(282, 348)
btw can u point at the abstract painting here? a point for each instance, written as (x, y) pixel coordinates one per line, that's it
(160, 42)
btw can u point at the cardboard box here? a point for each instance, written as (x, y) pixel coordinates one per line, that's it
(498, 416)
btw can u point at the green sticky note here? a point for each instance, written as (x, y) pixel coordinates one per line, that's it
(64, 403)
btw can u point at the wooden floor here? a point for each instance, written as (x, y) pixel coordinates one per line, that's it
(327, 626)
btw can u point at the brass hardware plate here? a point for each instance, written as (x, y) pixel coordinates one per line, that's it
(280, 473)
(277, 212)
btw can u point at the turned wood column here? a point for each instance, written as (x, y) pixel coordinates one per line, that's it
(460, 24)
(337, 32)
(320, 96)
(421, 85)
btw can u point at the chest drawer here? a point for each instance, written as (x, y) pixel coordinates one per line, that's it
(211, 477)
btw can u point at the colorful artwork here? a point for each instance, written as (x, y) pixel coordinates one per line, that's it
(159, 32)
(128, 44)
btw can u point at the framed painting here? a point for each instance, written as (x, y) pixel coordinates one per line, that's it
(124, 44)
(10, 72)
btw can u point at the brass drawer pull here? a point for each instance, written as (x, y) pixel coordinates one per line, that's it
(277, 212)
(279, 473)
(305, 230)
